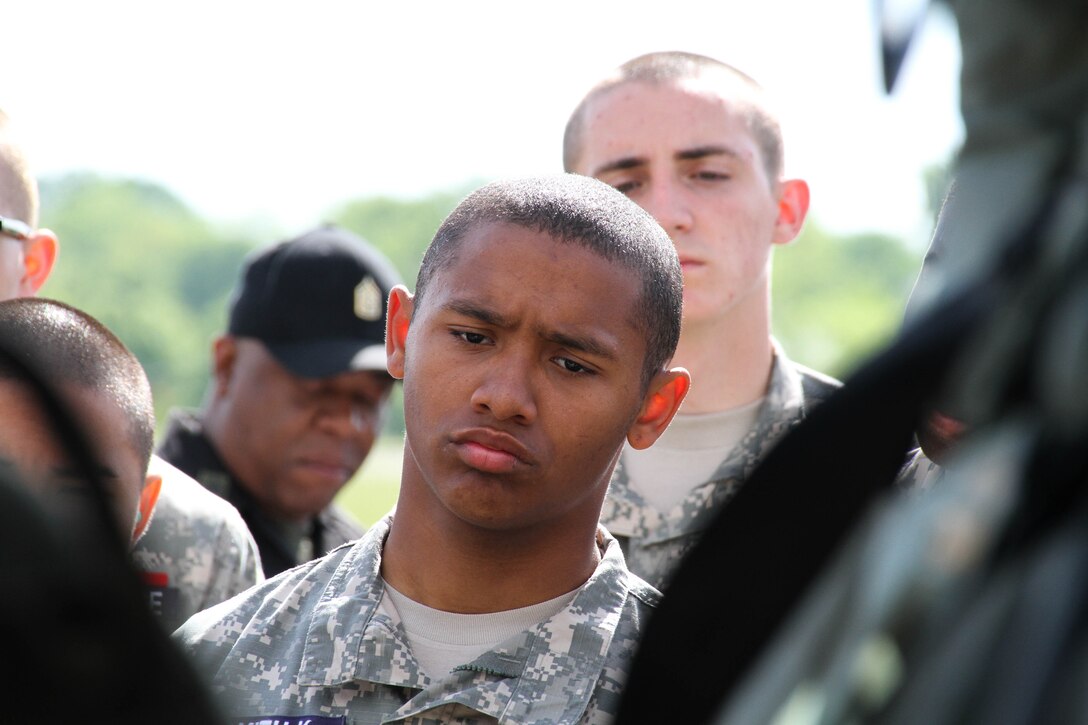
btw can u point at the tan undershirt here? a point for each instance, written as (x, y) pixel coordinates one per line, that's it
(687, 454)
(442, 640)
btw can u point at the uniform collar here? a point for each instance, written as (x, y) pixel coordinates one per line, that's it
(544, 674)
(627, 514)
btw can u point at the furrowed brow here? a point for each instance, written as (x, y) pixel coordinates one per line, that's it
(483, 314)
(581, 343)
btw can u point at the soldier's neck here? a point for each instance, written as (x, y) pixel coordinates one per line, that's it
(458, 568)
(729, 358)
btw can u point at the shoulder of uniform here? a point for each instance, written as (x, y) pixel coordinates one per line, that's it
(189, 495)
(644, 591)
(281, 601)
(815, 384)
(337, 520)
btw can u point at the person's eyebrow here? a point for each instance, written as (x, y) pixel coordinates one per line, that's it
(701, 152)
(582, 343)
(692, 154)
(475, 311)
(627, 162)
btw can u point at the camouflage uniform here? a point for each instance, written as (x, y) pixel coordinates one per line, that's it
(186, 446)
(653, 543)
(310, 643)
(196, 550)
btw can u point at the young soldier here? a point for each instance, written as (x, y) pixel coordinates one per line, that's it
(545, 314)
(694, 142)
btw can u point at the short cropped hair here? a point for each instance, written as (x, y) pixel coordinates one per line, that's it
(67, 347)
(675, 66)
(582, 211)
(18, 188)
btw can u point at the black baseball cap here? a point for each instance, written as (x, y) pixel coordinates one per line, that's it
(317, 302)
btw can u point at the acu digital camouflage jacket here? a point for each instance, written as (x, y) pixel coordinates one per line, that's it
(653, 543)
(311, 644)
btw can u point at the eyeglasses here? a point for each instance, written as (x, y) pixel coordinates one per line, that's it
(15, 229)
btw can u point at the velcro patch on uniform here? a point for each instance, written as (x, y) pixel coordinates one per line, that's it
(294, 720)
(163, 599)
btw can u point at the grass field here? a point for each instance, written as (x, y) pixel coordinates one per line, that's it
(373, 490)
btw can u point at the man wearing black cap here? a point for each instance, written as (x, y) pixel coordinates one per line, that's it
(299, 388)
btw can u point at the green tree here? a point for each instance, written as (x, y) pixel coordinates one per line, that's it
(401, 228)
(837, 300)
(135, 257)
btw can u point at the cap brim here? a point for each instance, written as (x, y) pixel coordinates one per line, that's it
(324, 358)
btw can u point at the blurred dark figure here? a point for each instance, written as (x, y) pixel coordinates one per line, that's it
(966, 601)
(80, 644)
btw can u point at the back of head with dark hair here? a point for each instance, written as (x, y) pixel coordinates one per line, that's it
(67, 347)
(578, 210)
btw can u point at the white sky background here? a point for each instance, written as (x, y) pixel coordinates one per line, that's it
(273, 112)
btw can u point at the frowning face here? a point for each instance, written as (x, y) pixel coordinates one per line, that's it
(522, 376)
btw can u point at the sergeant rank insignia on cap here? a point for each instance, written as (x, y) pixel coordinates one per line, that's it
(368, 300)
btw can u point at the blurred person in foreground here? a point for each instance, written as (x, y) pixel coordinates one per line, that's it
(104, 386)
(196, 550)
(298, 392)
(697, 144)
(965, 601)
(76, 430)
(538, 340)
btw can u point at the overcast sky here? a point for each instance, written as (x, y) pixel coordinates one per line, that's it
(276, 111)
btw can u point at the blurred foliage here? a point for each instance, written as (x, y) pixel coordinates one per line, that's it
(838, 299)
(149, 268)
(401, 228)
(160, 276)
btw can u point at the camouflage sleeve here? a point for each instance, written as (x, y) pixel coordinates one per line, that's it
(209, 636)
(196, 551)
(237, 561)
(245, 647)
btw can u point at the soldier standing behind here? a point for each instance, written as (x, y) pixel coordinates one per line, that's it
(695, 143)
(298, 393)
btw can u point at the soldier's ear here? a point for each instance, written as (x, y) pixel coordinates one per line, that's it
(148, 498)
(397, 321)
(224, 356)
(663, 398)
(793, 201)
(39, 254)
